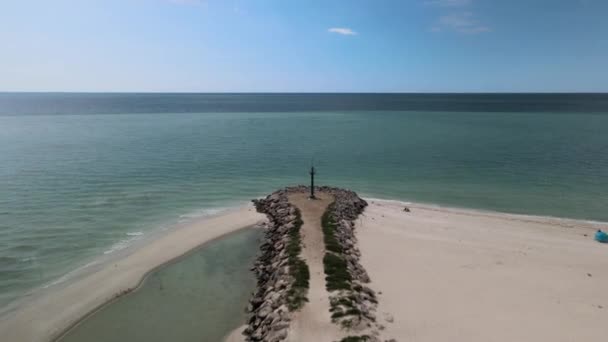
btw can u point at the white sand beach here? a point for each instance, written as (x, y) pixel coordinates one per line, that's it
(44, 318)
(440, 274)
(463, 275)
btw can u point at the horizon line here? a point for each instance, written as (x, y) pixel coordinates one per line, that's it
(311, 93)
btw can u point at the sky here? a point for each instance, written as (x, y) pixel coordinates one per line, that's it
(304, 46)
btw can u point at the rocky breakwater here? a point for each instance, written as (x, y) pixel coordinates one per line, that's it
(282, 276)
(343, 213)
(353, 304)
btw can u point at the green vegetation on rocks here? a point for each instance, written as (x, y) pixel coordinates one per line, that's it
(337, 276)
(336, 273)
(352, 305)
(296, 296)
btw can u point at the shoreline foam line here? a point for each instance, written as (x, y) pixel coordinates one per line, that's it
(49, 317)
(134, 240)
(564, 222)
(530, 218)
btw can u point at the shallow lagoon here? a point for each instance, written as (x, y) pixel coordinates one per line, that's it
(200, 297)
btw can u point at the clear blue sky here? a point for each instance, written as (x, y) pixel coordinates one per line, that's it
(308, 45)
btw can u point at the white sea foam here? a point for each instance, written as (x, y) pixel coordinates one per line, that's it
(131, 238)
(69, 275)
(124, 243)
(201, 213)
(137, 235)
(435, 206)
(120, 245)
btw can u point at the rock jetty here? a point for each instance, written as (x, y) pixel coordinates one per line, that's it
(270, 304)
(282, 276)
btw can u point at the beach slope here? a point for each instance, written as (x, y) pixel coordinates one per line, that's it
(464, 275)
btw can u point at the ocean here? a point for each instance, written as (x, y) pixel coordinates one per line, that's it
(84, 176)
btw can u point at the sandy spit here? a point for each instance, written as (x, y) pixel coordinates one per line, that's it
(47, 317)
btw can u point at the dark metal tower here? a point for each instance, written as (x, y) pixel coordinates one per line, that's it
(312, 182)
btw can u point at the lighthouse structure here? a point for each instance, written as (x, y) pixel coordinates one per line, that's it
(312, 182)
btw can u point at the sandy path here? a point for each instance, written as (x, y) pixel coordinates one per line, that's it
(313, 322)
(45, 317)
(460, 275)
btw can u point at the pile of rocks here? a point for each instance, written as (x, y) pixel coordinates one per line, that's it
(272, 301)
(344, 211)
(355, 307)
(269, 305)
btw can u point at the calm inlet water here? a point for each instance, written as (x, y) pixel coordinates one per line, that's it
(85, 175)
(201, 298)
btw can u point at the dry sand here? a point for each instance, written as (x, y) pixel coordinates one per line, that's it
(463, 275)
(47, 316)
(313, 321)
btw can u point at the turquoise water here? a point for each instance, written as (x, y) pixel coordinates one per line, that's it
(76, 186)
(200, 298)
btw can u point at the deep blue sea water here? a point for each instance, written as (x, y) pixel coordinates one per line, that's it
(86, 174)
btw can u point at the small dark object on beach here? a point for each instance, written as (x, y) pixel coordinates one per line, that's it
(406, 209)
(589, 275)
